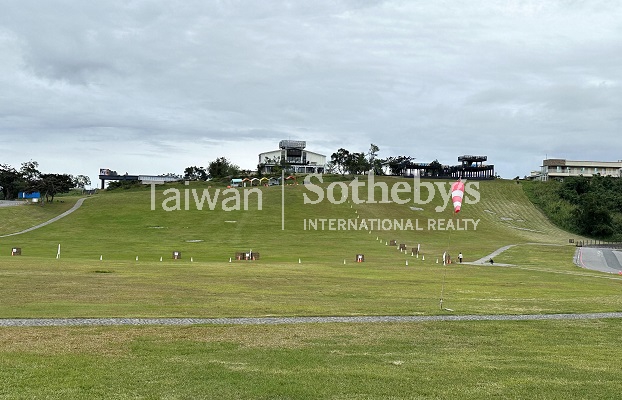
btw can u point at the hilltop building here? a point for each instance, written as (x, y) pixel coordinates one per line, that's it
(292, 154)
(555, 168)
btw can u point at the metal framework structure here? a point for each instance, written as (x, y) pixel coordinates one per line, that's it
(292, 144)
(471, 167)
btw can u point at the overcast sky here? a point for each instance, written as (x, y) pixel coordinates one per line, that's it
(150, 87)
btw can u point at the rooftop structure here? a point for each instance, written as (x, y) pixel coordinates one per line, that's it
(293, 156)
(292, 144)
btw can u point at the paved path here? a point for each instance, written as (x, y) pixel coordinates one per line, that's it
(294, 320)
(66, 213)
(10, 203)
(486, 260)
(598, 259)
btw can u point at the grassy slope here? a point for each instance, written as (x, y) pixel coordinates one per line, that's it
(538, 359)
(121, 226)
(16, 219)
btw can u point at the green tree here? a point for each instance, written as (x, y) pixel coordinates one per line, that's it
(340, 160)
(436, 168)
(572, 188)
(375, 164)
(222, 168)
(593, 219)
(357, 163)
(52, 184)
(397, 165)
(11, 182)
(81, 181)
(30, 171)
(195, 173)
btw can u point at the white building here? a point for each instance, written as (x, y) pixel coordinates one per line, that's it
(559, 169)
(293, 154)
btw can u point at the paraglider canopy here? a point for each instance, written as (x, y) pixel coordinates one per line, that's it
(457, 194)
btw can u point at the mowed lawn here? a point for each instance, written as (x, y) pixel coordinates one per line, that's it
(122, 225)
(301, 273)
(441, 360)
(35, 288)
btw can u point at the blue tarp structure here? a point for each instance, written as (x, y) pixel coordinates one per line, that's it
(26, 195)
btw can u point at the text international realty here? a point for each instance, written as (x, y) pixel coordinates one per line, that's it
(378, 224)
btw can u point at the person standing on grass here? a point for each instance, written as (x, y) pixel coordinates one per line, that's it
(460, 257)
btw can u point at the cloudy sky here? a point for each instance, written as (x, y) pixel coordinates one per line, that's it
(155, 86)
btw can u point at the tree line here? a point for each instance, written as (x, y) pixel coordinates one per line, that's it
(29, 179)
(218, 169)
(341, 162)
(354, 163)
(587, 206)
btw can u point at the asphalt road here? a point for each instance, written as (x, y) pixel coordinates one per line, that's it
(598, 259)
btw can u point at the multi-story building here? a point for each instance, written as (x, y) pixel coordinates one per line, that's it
(293, 156)
(559, 169)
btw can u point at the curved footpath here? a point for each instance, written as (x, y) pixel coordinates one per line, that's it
(293, 320)
(486, 260)
(66, 213)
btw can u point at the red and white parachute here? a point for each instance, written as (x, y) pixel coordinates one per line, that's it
(457, 194)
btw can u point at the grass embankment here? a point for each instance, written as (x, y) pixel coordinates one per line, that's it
(18, 218)
(121, 226)
(536, 359)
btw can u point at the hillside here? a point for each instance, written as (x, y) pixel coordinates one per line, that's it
(121, 225)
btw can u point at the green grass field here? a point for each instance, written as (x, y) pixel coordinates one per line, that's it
(466, 360)
(300, 273)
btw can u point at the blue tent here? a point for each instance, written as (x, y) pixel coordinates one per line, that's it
(29, 195)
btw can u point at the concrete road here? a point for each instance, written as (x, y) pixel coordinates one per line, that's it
(598, 259)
